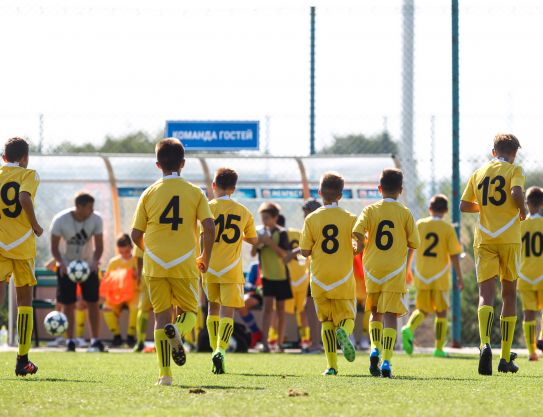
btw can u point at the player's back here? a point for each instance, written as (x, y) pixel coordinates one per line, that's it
(16, 234)
(531, 269)
(491, 187)
(438, 243)
(391, 230)
(329, 229)
(233, 222)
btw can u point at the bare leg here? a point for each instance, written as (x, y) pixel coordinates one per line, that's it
(69, 311)
(280, 314)
(94, 319)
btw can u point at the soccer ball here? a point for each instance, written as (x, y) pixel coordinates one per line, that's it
(55, 323)
(78, 271)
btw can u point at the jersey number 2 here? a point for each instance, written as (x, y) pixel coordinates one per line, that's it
(174, 219)
(435, 241)
(14, 207)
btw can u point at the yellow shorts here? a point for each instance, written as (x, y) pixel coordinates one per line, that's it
(432, 301)
(228, 295)
(497, 260)
(296, 304)
(387, 302)
(335, 310)
(180, 292)
(531, 299)
(144, 300)
(21, 269)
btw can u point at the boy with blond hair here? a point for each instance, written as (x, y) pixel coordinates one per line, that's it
(496, 192)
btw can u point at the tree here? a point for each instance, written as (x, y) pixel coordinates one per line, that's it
(361, 144)
(137, 142)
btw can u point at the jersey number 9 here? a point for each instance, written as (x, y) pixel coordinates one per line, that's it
(220, 223)
(14, 207)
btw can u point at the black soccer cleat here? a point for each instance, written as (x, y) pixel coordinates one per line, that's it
(70, 346)
(178, 351)
(485, 360)
(97, 347)
(117, 341)
(510, 366)
(539, 345)
(130, 341)
(218, 363)
(374, 363)
(25, 367)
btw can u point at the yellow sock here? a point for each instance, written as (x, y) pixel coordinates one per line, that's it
(212, 324)
(185, 322)
(329, 342)
(132, 321)
(529, 335)
(416, 319)
(376, 335)
(299, 324)
(440, 326)
(272, 335)
(347, 325)
(508, 332)
(80, 318)
(25, 324)
(306, 334)
(141, 325)
(389, 338)
(486, 317)
(226, 328)
(112, 322)
(163, 353)
(366, 323)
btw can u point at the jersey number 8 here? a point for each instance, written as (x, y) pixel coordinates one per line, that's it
(330, 244)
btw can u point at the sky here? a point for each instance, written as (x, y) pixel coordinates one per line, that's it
(113, 67)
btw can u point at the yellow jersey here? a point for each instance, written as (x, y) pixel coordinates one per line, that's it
(297, 268)
(233, 222)
(390, 230)
(327, 233)
(17, 240)
(168, 212)
(118, 262)
(490, 186)
(438, 243)
(531, 267)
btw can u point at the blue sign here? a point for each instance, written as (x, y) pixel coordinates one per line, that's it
(347, 193)
(134, 192)
(245, 193)
(285, 193)
(215, 135)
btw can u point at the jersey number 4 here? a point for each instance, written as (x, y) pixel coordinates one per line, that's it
(174, 219)
(222, 226)
(14, 207)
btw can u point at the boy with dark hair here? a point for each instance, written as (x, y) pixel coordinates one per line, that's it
(327, 238)
(18, 228)
(223, 282)
(272, 248)
(391, 234)
(119, 289)
(530, 285)
(439, 248)
(496, 192)
(164, 227)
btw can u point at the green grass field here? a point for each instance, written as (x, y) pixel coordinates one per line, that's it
(121, 384)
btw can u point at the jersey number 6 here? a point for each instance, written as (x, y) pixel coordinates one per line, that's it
(384, 238)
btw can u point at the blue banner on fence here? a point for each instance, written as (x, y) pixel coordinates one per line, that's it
(347, 193)
(215, 135)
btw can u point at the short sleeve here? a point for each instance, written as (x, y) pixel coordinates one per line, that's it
(250, 229)
(283, 240)
(519, 178)
(30, 183)
(203, 211)
(99, 229)
(306, 240)
(453, 245)
(140, 216)
(413, 240)
(469, 192)
(362, 223)
(56, 228)
(109, 266)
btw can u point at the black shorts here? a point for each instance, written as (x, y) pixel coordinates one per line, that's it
(66, 289)
(280, 290)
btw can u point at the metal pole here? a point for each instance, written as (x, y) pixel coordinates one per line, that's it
(456, 311)
(312, 86)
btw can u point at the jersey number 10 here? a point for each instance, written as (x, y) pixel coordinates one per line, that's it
(533, 244)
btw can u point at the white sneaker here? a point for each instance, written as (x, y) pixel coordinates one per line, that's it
(80, 342)
(164, 380)
(58, 341)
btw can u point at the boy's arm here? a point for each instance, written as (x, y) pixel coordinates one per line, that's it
(359, 243)
(251, 240)
(98, 251)
(137, 238)
(55, 251)
(278, 248)
(139, 269)
(208, 238)
(410, 256)
(26, 203)
(518, 198)
(455, 259)
(469, 207)
(468, 201)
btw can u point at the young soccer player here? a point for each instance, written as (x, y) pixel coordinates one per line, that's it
(496, 192)
(119, 288)
(530, 285)
(223, 282)
(164, 227)
(18, 228)
(391, 235)
(439, 248)
(144, 303)
(327, 238)
(272, 248)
